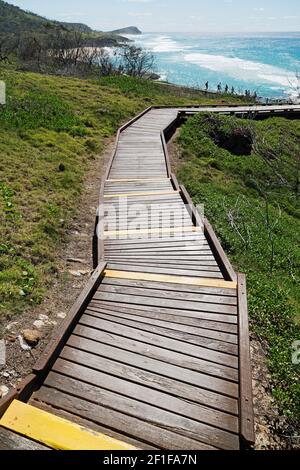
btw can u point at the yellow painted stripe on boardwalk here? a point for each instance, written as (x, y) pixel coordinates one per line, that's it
(193, 281)
(56, 432)
(146, 193)
(146, 180)
(146, 231)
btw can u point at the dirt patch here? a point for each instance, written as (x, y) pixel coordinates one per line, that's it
(75, 263)
(238, 142)
(174, 151)
(270, 426)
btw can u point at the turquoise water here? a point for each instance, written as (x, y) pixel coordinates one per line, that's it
(264, 63)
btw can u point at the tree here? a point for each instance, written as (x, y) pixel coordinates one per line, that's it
(136, 62)
(104, 60)
(30, 48)
(3, 56)
(65, 48)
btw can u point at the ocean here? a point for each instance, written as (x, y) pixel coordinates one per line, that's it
(267, 64)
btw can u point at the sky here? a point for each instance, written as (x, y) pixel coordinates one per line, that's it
(174, 15)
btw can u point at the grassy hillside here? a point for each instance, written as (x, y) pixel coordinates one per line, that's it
(51, 130)
(248, 176)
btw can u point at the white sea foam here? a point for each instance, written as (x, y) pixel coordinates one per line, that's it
(244, 69)
(163, 76)
(162, 43)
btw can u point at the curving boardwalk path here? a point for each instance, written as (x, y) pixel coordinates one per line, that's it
(155, 352)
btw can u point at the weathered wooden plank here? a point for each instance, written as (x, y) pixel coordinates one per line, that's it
(172, 322)
(126, 208)
(157, 351)
(136, 194)
(131, 297)
(198, 387)
(135, 249)
(192, 261)
(126, 383)
(228, 321)
(138, 180)
(205, 342)
(136, 187)
(115, 215)
(115, 222)
(134, 408)
(192, 265)
(149, 231)
(212, 328)
(161, 204)
(186, 242)
(140, 429)
(209, 294)
(162, 298)
(162, 341)
(228, 295)
(12, 441)
(193, 241)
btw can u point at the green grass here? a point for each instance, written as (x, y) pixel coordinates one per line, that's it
(157, 93)
(253, 202)
(51, 130)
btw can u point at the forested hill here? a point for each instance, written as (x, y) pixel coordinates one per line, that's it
(15, 22)
(128, 30)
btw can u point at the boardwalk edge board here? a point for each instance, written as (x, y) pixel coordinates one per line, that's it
(246, 397)
(55, 432)
(170, 279)
(227, 284)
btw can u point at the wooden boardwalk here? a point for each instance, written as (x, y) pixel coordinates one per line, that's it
(155, 352)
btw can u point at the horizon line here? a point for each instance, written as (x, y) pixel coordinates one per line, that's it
(218, 32)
